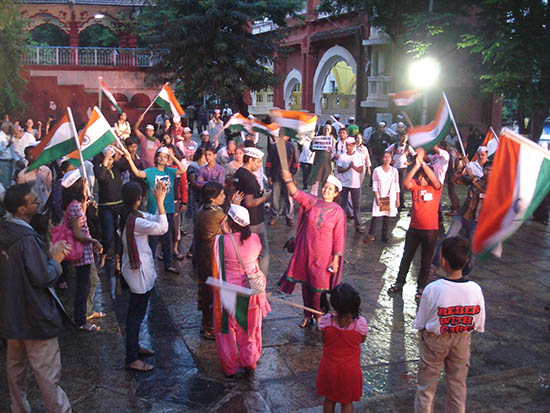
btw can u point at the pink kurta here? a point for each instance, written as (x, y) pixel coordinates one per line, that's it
(321, 236)
(250, 344)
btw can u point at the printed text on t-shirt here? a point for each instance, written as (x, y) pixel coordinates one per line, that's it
(458, 318)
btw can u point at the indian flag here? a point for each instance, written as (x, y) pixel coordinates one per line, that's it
(167, 100)
(228, 298)
(59, 142)
(427, 136)
(293, 122)
(238, 122)
(405, 98)
(519, 181)
(490, 142)
(108, 95)
(269, 130)
(94, 137)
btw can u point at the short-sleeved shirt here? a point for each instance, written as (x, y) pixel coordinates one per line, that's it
(246, 181)
(168, 176)
(425, 206)
(74, 211)
(351, 178)
(359, 324)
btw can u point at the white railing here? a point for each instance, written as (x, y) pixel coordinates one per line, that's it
(89, 56)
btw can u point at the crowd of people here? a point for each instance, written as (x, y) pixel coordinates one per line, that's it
(109, 215)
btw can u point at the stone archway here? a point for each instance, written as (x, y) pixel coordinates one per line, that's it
(293, 78)
(332, 56)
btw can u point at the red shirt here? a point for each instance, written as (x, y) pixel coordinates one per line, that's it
(425, 206)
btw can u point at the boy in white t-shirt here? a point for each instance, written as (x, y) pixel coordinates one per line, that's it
(450, 309)
(350, 166)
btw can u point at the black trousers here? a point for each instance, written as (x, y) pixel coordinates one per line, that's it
(306, 170)
(385, 226)
(81, 293)
(136, 313)
(426, 239)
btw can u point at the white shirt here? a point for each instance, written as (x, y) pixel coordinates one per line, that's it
(451, 307)
(367, 132)
(440, 163)
(385, 184)
(143, 279)
(476, 168)
(306, 156)
(400, 154)
(19, 145)
(351, 178)
(6, 153)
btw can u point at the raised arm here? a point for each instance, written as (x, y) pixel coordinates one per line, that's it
(137, 172)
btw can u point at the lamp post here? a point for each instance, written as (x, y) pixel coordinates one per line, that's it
(423, 74)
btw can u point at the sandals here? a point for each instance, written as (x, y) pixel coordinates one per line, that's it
(394, 289)
(173, 270)
(178, 256)
(90, 328)
(369, 238)
(96, 314)
(140, 366)
(63, 285)
(305, 322)
(145, 352)
(208, 335)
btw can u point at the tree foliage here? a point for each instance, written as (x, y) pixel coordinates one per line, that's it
(12, 49)
(210, 47)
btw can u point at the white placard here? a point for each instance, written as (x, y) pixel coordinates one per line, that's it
(321, 143)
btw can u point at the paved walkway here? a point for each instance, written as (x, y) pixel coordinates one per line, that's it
(510, 368)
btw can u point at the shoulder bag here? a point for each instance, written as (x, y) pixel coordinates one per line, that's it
(62, 233)
(256, 280)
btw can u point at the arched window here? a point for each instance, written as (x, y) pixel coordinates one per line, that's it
(97, 36)
(48, 35)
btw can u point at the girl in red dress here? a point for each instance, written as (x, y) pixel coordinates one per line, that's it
(339, 378)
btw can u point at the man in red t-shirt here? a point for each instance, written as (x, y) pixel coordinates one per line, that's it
(426, 193)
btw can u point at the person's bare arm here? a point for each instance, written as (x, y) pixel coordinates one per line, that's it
(137, 172)
(138, 133)
(251, 202)
(181, 168)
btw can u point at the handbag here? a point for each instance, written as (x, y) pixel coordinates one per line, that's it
(256, 280)
(384, 201)
(290, 244)
(62, 233)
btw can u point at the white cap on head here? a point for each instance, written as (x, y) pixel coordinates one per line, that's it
(253, 153)
(108, 148)
(187, 129)
(176, 118)
(150, 127)
(482, 149)
(205, 132)
(382, 123)
(335, 181)
(351, 119)
(70, 178)
(239, 214)
(217, 111)
(337, 116)
(350, 141)
(163, 149)
(400, 125)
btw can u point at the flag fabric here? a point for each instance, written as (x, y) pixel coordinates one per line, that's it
(229, 298)
(519, 181)
(293, 123)
(59, 142)
(108, 95)
(427, 136)
(269, 130)
(239, 123)
(491, 142)
(405, 98)
(94, 137)
(167, 100)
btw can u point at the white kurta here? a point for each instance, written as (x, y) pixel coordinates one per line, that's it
(385, 183)
(143, 279)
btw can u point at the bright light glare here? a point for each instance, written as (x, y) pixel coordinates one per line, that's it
(423, 73)
(99, 16)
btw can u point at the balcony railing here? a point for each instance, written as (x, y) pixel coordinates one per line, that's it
(89, 56)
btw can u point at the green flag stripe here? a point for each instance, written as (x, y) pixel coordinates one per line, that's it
(541, 189)
(444, 132)
(119, 110)
(55, 152)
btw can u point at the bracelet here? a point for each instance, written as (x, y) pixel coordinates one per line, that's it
(288, 182)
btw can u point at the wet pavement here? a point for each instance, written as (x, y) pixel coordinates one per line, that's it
(510, 369)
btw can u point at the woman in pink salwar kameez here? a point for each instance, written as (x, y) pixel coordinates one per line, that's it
(230, 335)
(320, 239)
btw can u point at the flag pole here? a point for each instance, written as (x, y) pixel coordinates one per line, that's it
(75, 133)
(290, 303)
(99, 92)
(406, 117)
(454, 123)
(153, 101)
(494, 133)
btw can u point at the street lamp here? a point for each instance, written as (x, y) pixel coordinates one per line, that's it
(423, 74)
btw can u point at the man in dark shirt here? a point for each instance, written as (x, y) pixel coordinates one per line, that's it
(378, 143)
(245, 181)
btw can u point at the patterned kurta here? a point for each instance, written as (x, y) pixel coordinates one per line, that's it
(321, 236)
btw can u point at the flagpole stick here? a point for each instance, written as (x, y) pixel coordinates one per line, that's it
(454, 124)
(99, 92)
(494, 133)
(291, 304)
(75, 133)
(407, 118)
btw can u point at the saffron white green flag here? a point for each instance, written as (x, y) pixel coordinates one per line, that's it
(269, 130)
(94, 137)
(108, 95)
(293, 123)
(167, 101)
(427, 136)
(238, 122)
(59, 142)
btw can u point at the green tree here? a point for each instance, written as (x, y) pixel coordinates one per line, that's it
(210, 48)
(13, 39)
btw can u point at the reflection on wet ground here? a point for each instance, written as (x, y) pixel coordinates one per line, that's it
(509, 367)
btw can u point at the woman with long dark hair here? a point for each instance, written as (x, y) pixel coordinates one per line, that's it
(138, 264)
(242, 332)
(75, 202)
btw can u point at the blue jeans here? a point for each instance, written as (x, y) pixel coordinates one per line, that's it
(166, 242)
(6, 172)
(459, 224)
(81, 293)
(108, 218)
(136, 313)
